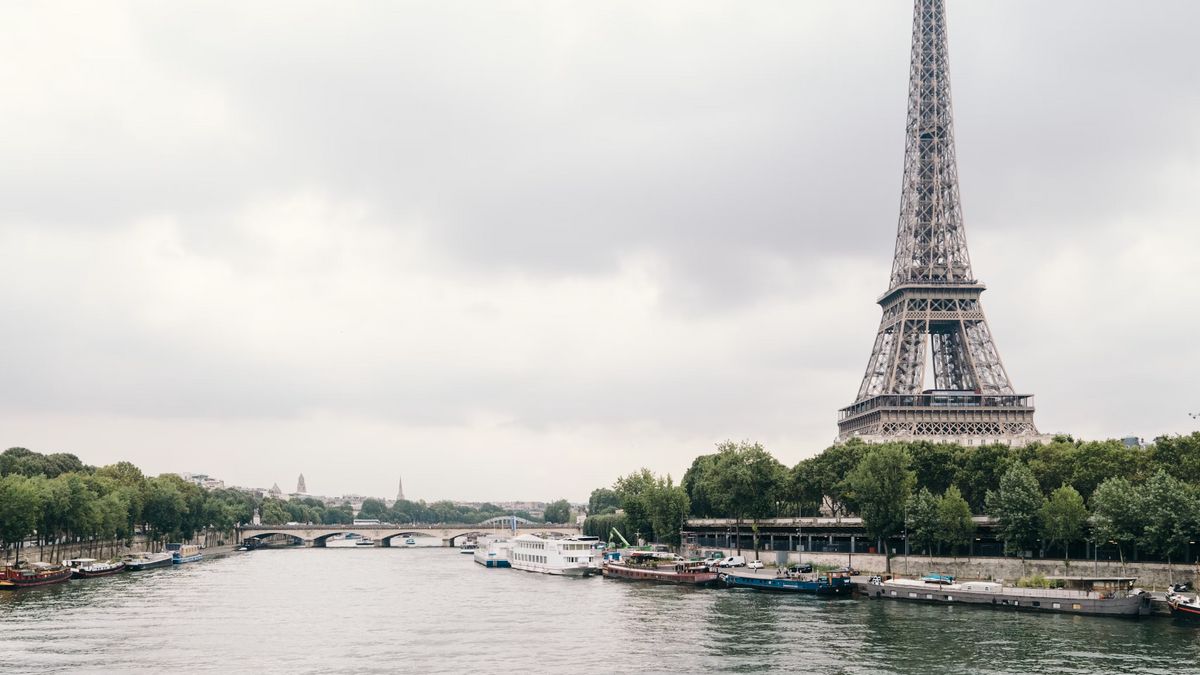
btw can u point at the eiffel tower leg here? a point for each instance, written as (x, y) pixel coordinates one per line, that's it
(908, 374)
(989, 371)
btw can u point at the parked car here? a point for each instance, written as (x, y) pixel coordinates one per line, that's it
(755, 564)
(733, 561)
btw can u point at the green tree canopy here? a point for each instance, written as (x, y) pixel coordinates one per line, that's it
(954, 518)
(1064, 517)
(1017, 506)
(880, 485)
(603, 500)
(924, 524)
(557, 512)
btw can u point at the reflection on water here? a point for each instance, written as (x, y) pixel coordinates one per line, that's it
(389, 610)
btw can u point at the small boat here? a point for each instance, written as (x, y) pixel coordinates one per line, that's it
(349, 540)
(468, 548)
(495, 554)
(1101, 596)
(410, 542)
(652, 566)
(86, 568)
(137, 562)
(30, 575)
(793, 580)
(1182, 606)
(250, 544)
(184, 553)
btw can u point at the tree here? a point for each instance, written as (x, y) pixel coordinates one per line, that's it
(1170, 512)
(747, 483)
(20, 504)
(634, 491)
(374, 508)
(880, 486)
(924, 526)
(804, 489)
(603, 500)
(164, 508)
(1016, 506)
(828, 472)
(980, 470)
(557, 512)
(1063, 518)
(668, 505)
(935, 464)
(1178, 455)
(698, 482)
(954, 518)
(1117, 514)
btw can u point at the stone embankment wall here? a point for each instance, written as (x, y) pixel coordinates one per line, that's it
(217, 542)
(1150, 575)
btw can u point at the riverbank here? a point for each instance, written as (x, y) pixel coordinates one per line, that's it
(1151, 576)
(113, 549)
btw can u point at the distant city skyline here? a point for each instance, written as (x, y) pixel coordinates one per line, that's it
(518, 251)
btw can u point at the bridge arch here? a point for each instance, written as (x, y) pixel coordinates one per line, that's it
(321, 539)
(292, 539)
(389, 540)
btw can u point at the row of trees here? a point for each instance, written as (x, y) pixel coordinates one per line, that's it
(1044, 495)
(57, 501)
(653, 508)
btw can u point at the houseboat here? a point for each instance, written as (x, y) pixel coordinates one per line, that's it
(86, 568)
(184, 553)
(349, 540)
(495, 553)
(1099, 596)
(795, 579)
(31, 575)
(137, 562)
(1182, 606)
(569, 556)
(651, 566)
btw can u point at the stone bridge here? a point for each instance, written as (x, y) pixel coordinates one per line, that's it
(385, 534)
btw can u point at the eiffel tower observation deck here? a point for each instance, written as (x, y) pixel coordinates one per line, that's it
(932, 316)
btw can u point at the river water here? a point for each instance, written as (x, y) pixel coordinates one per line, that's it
(435, 611)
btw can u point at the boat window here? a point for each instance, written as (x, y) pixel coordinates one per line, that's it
(1076, 605)
(950, 598)
(1057, 605)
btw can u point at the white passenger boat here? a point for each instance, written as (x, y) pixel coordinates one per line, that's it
(468, 547)
(494, 553)
(569, 556)
(349, 540)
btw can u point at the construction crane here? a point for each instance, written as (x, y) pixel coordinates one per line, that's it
(614, 531)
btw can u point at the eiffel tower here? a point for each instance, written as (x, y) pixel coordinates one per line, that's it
(931, 311)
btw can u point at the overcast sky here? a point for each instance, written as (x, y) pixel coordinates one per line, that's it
(515, 249)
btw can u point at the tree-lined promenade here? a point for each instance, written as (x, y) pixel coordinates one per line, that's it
(61, 504)
(1043, 496)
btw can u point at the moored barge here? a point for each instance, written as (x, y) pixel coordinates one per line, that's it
(793, 581)
(1096, 596)
(33, 575)
(137, 562)
(647, 566)
(186, 553)
(1183, 607)
(86, 568)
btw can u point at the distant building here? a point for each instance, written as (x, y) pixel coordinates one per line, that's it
(400, 489)
(275, 491)
(1133, 442)
(300, 488)
(203, 480)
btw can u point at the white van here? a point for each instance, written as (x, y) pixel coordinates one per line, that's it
(733, 561)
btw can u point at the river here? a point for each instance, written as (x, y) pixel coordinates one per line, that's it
(435, 611)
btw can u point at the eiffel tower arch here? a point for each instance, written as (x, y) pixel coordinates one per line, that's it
(932, 315)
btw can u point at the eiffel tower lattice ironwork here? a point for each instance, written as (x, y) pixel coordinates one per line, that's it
(932, 309)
